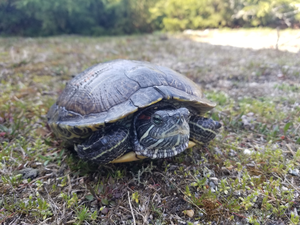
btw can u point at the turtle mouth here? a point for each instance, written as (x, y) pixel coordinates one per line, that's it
(165, 147)
(181, 131)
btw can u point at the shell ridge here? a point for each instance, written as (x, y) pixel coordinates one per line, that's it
(119, 92)
(147, 75)
(91, 72)
(163, 94)
(133, 103)
(67, 102)
(87, 102)
(103, 101)
(71, 112)
(125, 73)
(159, 91)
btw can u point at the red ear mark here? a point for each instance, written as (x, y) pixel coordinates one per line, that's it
(144, 117)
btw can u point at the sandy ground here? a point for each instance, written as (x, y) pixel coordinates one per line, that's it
(284, 40)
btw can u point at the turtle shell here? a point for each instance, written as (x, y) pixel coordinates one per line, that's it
(110, 91)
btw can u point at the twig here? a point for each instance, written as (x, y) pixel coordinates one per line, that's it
(2, 221)
(278, 36)
(131, 208)
(290, 149)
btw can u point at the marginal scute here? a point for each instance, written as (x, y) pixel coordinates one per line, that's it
(120, 111)
(145, 97)
(90, 120)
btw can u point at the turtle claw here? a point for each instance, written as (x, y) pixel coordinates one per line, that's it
(132, 156)
(128, 157)
(191, 144)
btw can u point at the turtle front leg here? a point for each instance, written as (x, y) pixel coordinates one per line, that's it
(105, 146)
(202, 130)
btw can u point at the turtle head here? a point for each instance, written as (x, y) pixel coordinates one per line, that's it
(161, 133)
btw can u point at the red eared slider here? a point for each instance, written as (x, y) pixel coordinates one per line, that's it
(126, 106)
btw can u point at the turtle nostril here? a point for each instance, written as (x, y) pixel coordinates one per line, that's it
(180, 120)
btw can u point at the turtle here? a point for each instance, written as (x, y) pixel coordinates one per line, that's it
(125, 110)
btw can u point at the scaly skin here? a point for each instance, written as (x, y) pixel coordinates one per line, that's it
(157, 133)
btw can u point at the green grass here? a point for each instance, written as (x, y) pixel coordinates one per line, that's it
(244, 175)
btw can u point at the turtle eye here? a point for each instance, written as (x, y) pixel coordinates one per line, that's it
(157, 119)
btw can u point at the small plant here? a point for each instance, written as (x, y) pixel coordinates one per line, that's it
(199, 183)
(43, 208)
(71, 201)
(252, 220)
(223, 187)
(39, 184)
(135, 197)
(294, 218)
(82, 214)
(94, 215)
(14, 181)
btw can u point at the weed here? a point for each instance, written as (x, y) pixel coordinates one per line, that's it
(135, 197)
(82, 214)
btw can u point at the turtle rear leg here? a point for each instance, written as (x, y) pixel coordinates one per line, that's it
(105, 146)
(202, 130)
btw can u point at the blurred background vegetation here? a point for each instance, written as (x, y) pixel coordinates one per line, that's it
(114, 17)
